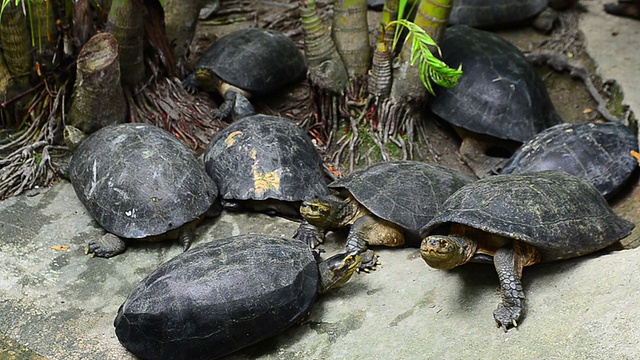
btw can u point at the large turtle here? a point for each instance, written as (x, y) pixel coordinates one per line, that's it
(519, 220)
(626, 8)
(596, 152)
(226, 295)
(139, 182)
(264, 163)
(500, 96)
(384, 204)
(495, 13)
(247, 61)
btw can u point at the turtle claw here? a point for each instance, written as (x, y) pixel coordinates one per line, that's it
(106, 246)
(507, 316)
(309, 234)
(369, 261)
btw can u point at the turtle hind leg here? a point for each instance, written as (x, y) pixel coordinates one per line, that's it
(630, 9)
(510, 310)
(185, 236)
(106, 246)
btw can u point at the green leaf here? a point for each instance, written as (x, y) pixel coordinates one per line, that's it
(430, 68)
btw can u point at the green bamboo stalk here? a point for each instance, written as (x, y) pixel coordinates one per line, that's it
(389, 14)
(351, 35)
(326, 69)
(181, 18)
(432, 16)
(16, 43)
(125, 23)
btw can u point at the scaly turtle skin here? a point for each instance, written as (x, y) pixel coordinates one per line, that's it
(264, 163)
(248, 61)
(383, 204)
(595, 152)
(518, 220)
(225, 295)
(500, 96)
(139, 182)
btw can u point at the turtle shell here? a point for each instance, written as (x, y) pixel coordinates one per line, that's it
(595, 152)
(137, 180)
(494, 13)
(265, 157)
(218, 298)
(256, 60)
(560, 214)
(499, 93)
(406, 193)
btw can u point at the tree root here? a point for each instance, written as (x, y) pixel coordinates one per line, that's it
(559, 63)
(166, 104)
(27, 161)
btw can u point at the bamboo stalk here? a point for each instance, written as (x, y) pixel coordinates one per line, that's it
(16, 43)
(98, 99)
(326, 69)
(125, 23)
(432, 16)
(350, 33)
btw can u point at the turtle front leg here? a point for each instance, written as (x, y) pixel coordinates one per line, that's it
(371, 230)
(310, 234)
(106, 246)
(509, 311)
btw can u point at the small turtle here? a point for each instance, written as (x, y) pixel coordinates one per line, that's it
(519, 220)
(499, 97)
(226, 295)
(139, 182)
(248, 61)
(384, 204)
(626, 8)
(595, 152)
(264, 163)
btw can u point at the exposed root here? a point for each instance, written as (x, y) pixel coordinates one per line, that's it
(166, 104)
(558, 62)
(27, 160)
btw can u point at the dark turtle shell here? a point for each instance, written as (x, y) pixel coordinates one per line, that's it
(494, 13)
(595, 152)
(218, 298)
(406, 193)
(560, 214)
(265, 157)
(137, 180)
(256, 60)
(499, 94)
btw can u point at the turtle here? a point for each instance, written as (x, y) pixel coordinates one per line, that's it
(383, 204)
(596, 152)
(264, 163)
(497, 14)
(518, 220)
(499, 102)
(251, 61)
(140, 182)
(226, 295)
(626, 8)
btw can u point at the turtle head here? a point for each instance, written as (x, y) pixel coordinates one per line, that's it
(446, 252)
(73, 137)
(324, 212)
(206, 79)
(337, 270)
